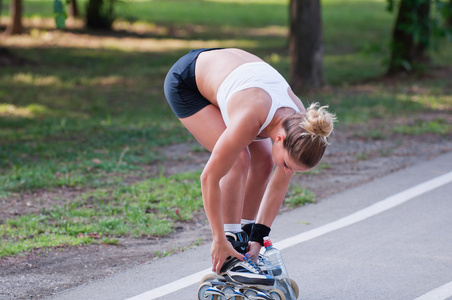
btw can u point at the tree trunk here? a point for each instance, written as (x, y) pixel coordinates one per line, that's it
(411, 36)
(449, 20)
(100, 14)
(15, 11)
(73, 9)
(306, 45)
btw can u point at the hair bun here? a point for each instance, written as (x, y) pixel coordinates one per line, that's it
(318, 122)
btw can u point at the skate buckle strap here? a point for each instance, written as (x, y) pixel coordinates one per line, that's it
(238, 245)
(238, 240)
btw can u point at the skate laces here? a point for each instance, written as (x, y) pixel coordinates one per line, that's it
(251, 262)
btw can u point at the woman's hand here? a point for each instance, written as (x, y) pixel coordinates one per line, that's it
(253, 250)
(220, 251)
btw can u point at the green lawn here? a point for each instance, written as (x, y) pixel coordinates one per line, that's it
(88, 116)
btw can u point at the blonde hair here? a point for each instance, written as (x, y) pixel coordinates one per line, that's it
(307, 134)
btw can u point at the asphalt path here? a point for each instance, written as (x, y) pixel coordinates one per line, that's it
(390, 238)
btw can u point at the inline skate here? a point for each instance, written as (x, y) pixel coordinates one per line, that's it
(239, 280)
(216, 287)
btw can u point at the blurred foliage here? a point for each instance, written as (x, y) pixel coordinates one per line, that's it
(420, 25)
(60, 14)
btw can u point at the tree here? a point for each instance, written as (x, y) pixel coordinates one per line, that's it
(14, 27)
(100, 14)
(411, 36)
(419, 24)
(449, 18)
(73, 9)
(306, 45)
(15, 11)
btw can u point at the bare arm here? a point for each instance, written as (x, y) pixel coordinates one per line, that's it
(273, 197)
(271, 203)
(242, 130)
(223, 156)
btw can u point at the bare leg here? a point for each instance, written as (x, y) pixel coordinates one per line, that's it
(233, 189)
(207, 125)
(261, 167)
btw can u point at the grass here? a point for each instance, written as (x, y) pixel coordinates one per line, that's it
(89, 124)
(89, 111)
(176, 12)
(419, 127)
(299, 196)
(176, 249)
(147, 208)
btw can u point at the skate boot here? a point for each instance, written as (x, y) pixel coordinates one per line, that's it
(243, 272)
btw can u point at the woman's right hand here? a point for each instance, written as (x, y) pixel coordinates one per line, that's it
(220, 251)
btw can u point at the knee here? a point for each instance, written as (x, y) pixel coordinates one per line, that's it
(264, 163)
(243, 160)
(268, 164)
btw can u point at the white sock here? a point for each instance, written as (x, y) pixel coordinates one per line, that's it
(246, 222)
(234, 228)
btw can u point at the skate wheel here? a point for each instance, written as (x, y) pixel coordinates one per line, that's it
(295, 288)
(202, 290)
(231, 294)
(277, 295)
(208, 278)
(250, 293)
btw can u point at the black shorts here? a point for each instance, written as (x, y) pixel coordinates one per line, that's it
(180, 87)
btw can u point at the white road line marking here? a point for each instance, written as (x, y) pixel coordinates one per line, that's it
(368, 212)
(172, 286)
(356, 217)
(441, 293)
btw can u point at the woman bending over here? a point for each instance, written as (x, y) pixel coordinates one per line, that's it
(258, 132)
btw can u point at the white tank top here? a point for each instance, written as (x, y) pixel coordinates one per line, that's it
(260, 75)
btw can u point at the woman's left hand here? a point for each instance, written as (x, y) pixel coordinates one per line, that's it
(253, 250)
